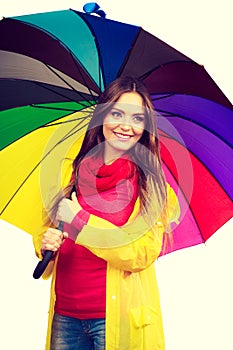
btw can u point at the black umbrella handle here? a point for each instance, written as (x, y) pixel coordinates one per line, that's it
(41, 266)
(48, 254)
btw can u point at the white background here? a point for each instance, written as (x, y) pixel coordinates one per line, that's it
(196, 283)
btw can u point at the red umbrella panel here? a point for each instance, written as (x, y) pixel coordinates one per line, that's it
(205, 204)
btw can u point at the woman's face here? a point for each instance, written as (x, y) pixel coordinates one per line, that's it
(123, 126)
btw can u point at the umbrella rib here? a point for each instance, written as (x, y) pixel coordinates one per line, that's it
(54, 108)
(99, 71)
(170, 114)
(73, 89)
(58, 93)
(162, 97)
(58, 108)
(98, 50)
(100, 64)
(64, 122)
(127, 56)
(75, 59)
(158, 66)
(69, 134)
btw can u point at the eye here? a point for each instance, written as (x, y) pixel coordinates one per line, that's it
(138, 119)
(116, 114)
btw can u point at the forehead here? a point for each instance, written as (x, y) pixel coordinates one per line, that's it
(130, 102)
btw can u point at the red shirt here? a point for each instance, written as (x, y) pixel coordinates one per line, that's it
(81, 275)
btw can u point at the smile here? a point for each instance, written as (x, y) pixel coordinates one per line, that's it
(124, 137)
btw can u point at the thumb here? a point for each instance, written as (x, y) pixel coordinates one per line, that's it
(74, 197)
(65, 235)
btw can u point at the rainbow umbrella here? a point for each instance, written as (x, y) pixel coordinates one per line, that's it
(53, 67)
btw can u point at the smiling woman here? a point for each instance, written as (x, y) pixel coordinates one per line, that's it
(116, 210)
(187, 288)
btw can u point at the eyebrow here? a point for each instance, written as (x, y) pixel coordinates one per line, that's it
(122, 111)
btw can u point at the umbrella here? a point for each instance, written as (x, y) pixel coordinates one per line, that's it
(53, 67)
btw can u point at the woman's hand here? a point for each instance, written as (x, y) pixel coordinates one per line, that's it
(68, 209)
(53, 239)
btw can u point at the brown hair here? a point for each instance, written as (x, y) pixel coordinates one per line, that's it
(145, 154)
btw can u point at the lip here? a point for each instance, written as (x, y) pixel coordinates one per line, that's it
(123, 137)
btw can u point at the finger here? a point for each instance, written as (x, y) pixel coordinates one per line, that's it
(59, 235)
(54, 231)
(74, 197)
(50, 245)
(53, 235)
(53, 245)
(65, 235)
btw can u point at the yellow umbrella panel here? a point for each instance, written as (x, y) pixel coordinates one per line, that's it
(35, 167)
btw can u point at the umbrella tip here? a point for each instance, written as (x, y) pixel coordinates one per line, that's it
(93, 7)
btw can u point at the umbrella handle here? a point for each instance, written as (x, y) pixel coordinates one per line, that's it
(41, 266)
(48, 254)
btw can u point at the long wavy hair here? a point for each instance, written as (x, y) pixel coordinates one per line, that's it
(145, 154)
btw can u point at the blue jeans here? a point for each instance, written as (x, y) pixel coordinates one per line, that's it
(70, 333)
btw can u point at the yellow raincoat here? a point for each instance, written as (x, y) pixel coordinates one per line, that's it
(133, 314)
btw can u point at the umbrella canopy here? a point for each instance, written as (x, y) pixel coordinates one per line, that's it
(54, 66)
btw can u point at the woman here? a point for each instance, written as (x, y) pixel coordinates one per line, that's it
(119, 206)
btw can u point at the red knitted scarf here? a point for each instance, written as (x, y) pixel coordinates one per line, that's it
(108, 191)
(96, 177)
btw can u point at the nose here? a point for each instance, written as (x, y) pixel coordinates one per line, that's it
(125, 123)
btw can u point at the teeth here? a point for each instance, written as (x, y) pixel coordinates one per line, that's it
(125, 137)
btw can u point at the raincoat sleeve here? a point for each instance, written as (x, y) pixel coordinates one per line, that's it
(132, 247)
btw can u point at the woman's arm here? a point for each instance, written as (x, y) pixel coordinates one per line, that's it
(132, 247)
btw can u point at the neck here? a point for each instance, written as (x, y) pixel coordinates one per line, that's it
(111, 155)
